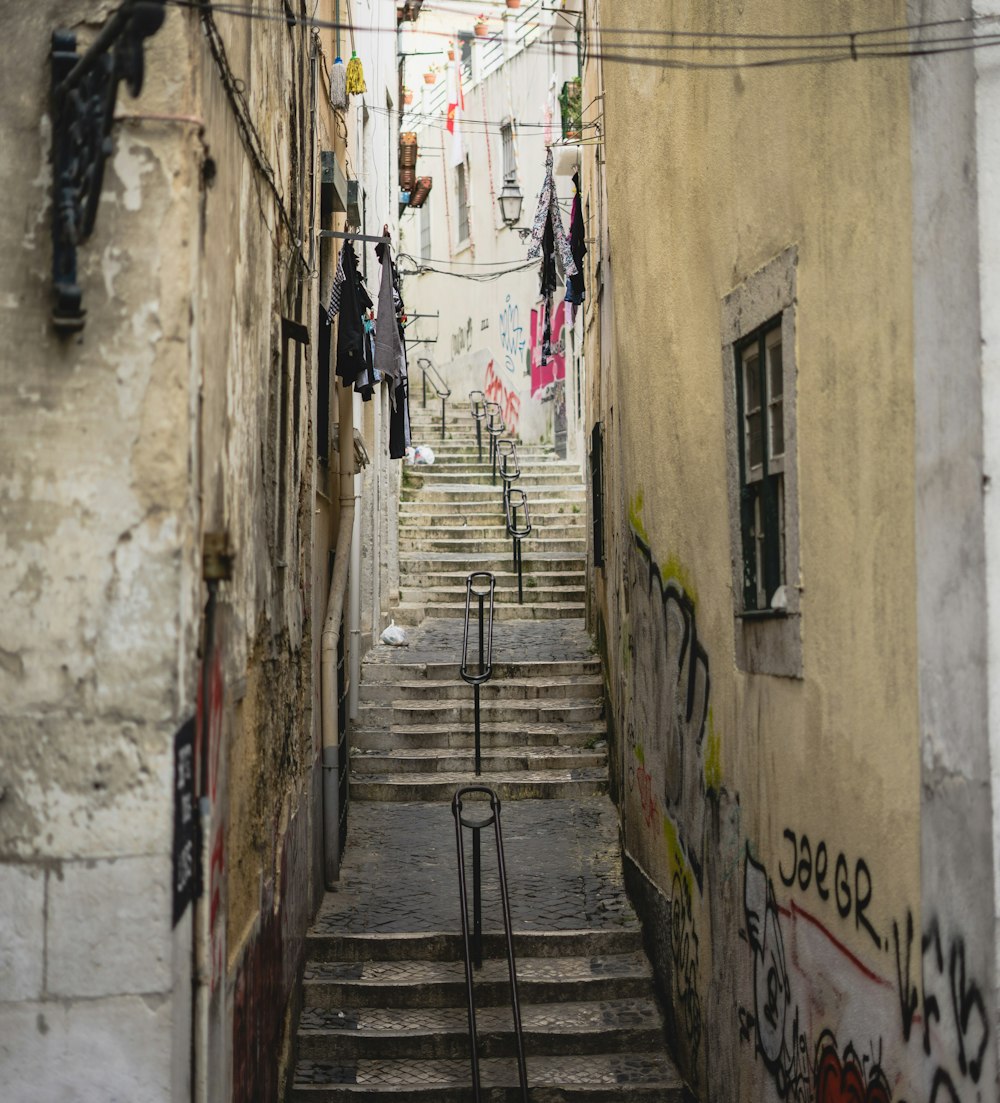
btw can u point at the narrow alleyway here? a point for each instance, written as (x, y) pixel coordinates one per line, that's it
(384, 1002)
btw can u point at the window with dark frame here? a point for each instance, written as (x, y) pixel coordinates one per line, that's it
(507, 141)
(761, 428)
(462, 198)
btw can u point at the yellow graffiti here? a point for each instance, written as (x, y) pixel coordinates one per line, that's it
(676, 862)
(675, 571)
(640, 754)
(713, 756)
(635, 517)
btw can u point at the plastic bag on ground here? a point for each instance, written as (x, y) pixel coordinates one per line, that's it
(393, 635)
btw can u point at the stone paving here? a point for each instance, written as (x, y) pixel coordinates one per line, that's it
(400, 874)
(439, 640)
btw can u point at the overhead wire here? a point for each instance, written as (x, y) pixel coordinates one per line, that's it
(829, 47)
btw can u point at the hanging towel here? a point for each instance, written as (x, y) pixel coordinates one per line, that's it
(337, 290)
(575, 289)
(548, 215)
(354, 301)
(389, 358)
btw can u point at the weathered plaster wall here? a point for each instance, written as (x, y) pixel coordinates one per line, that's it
(791, 869)
(97, 557)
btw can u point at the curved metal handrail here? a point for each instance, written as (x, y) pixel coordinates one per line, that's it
(441, 388)
(475, 945)
(513, 529)
(485, 641)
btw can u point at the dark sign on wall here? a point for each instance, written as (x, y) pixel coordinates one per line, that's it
(185, 865)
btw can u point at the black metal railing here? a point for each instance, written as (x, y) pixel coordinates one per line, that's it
(473, 946)
(496, 429)
(441, 388)
(479, 585)
(477, 404)
(518, 530)
(510, 469)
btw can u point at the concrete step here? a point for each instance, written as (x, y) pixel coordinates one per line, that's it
(587, 734)
(528, 465)
(435, 672)
(568, 527)
(428, 478)
(517, 785)
(601, 1078)
(495, 546)
(505, 592)
(454, 582)
(499, 710)
(469, 491)
(534, 559)
(498, 760)
(455, 515)
(436, 984)
(612, 1026)
(498, 688)
(447, 946)
(412, 614)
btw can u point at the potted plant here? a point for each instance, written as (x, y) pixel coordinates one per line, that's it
(451, 51)
(431, 74)
(482, 25)
(513, 3)
(407, 97)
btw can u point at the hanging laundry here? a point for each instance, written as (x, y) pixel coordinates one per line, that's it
(399, 394)
(575, 288)
(337, 288)
(548, 239)
(351, 335)
(389, 357)
(548, 215)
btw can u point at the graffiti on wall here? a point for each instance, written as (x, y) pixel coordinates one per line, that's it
(668, 704)
(684, 950)
(211, 784)
(950, 1005)
(461, 339)
(497, 390)
(512, 338)
(544, 375)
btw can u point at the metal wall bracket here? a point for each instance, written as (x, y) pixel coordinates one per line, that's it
(84, 89)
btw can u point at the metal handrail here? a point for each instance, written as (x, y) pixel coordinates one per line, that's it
(485, 648)
(477, 405)
(510, 469)
(496, 428)
(441, 388)
(517, 533)
(476, 946)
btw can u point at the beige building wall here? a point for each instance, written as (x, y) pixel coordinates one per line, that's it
(771, 773)
(184, 413)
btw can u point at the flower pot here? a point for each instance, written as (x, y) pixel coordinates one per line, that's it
(481, 30)
(451, 55)
(407, 98)
(430, 78)
(513, 3)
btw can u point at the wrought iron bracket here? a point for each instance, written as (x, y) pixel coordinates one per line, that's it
(84, 89)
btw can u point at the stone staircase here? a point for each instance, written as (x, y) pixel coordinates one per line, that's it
(384, 1008)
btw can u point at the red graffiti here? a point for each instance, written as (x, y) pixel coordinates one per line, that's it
(510, 404)
(555, 367)
(646, 796)
(844, 1080)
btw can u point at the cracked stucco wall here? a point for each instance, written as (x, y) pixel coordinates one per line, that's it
(97, 644)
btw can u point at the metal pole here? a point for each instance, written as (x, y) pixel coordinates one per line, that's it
(477, 899)
(443, 401)
(479, 439)
(423, 373)
(522, 1070)
(482, 663)
(520, 589)
(464, 899)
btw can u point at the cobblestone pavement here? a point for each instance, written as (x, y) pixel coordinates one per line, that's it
(440, 641)
(400, 870)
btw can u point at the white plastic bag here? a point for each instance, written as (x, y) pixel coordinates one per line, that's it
(423, 453)
(394, 636)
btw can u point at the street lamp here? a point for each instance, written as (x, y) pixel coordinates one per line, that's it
(510, 200)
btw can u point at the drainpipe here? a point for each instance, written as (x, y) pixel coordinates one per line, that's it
(354, 605)
(331, 638)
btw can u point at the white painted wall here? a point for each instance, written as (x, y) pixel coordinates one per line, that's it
(484, 335)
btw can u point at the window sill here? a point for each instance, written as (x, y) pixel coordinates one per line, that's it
(762, 614)
(463, 246)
